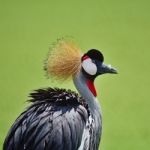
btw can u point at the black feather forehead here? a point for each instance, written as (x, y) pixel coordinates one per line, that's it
(95, 55)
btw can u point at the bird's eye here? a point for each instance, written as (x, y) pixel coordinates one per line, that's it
(93, 61)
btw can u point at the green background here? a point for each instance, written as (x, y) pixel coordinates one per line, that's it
(120, 28)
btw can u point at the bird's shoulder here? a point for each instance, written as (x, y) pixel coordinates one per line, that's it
(57, 96)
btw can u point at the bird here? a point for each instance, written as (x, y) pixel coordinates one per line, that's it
(62, 119)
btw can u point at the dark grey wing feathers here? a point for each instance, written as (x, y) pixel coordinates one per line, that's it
(57, 127)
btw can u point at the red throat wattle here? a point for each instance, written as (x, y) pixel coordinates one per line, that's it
(91, 87)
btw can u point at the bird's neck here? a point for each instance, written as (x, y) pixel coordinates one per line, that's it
(87, 90)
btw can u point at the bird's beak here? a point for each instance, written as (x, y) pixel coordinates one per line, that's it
(103, 68)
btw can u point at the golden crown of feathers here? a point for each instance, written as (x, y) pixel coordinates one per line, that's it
(64, 59)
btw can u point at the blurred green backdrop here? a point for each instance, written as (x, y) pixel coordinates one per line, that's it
(121, 29)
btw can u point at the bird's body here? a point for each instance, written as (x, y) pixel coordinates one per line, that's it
(55, 120)
(60, 119)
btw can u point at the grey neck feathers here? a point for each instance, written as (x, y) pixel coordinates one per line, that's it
(80, 84)
(94, 108)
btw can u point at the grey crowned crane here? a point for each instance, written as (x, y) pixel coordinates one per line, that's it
(60, 119)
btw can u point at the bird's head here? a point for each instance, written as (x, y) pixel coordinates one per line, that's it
(93, 64)
(66, 60)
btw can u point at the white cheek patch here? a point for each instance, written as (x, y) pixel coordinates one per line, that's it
(89, 66)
